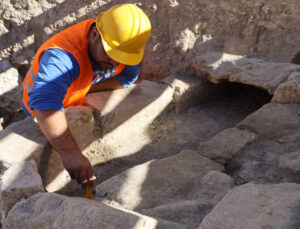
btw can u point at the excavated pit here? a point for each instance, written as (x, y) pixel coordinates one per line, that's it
(173, 132)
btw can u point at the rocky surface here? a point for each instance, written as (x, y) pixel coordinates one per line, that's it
(214, 185)
(51, 210)
(18, 181)
(256, 206)
(158, 182)
(167, 171)
(256, 72)
(163, 145)
(181, 29)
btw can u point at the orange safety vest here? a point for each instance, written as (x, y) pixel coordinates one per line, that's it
(73, 40)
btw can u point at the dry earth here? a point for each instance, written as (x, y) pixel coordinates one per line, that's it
(212, 141)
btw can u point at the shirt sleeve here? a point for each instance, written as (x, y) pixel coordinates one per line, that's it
(129, 75)
(57, 70)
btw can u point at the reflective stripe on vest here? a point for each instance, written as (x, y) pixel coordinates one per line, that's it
(30, 72)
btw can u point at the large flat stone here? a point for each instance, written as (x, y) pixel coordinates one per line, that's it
(158, 182)
(22, 141)
(53, 211)
(257, 206)
(226, 144)
(18, 181)
(273, 120)
(234, 68)
(191, 212)
(136, 106)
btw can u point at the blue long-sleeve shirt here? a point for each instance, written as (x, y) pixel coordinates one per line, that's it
(57, 70)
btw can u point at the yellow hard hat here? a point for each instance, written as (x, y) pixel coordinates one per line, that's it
(125, 30)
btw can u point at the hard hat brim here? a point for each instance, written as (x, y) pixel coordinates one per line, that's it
(123, 57)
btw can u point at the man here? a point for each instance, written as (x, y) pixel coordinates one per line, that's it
(93, 55)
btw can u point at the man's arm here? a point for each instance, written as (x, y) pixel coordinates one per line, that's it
(54, 125)
(109, 84)
(126, 78)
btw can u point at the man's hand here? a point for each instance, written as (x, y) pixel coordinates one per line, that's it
(79, 168)
(54, 125)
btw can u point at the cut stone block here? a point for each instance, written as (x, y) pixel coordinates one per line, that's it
(256, 72)
(158, 182)
(136, 106)
(22, 141)
(18, 181)
(191, 212)
(273, 120)
(257, 206)
(288, 92)
(190, 90)
(226, 144)
(49, 210)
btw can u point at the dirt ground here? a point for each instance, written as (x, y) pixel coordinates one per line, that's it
(171, 132)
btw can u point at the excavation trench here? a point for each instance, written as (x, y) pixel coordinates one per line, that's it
(172, 132)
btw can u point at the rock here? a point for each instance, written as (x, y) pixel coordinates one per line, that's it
(56, 211)
(288, 92)
(218, 184)
(137, 105)
(188, 212)
(257, 206)
(239, 69)
(191, 212)
(158, 182)
(22, 141)
(290, 161)
(10, 90)
(190, 90)
(273, 120)
(21, 180)
(226, 144)
(82, 124)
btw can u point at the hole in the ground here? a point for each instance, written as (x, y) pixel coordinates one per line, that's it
(172, 132)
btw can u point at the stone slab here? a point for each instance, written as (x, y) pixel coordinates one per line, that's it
(18, 181)
(138, 105)
(191, 212)
(250, 71)
(158, 182)
(53, 211)
(273, 120)
(226, 144)
(257, 206)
